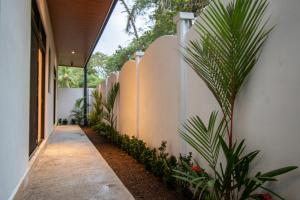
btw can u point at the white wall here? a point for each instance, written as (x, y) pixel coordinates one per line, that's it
(66, 100)
(158, 94)
(127, 105)
(267, 112)
(15, 37)
(49, 123)
(14, 87)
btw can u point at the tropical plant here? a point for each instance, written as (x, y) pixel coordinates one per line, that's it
(109, 104)
(65, 121)
(96, 115)
(230, 40)
(78, 111)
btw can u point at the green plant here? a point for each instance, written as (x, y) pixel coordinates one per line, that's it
(109, 105)
(73, 121)
(59, 121)
(78, 111)
(136, 148)
(96, 115)
(65, 121)
(230, 40)
(170, 164)
(159, 164)
(148, 157)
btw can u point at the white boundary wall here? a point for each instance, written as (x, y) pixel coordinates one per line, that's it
(66, 99)
(267, 110)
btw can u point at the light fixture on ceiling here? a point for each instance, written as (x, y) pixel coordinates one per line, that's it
(73, 52)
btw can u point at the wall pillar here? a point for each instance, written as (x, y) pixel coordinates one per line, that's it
(183, 22)
(138, 57)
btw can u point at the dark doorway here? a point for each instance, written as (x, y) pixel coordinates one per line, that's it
(37, 81)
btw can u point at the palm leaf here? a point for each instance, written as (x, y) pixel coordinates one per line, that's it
(230, 42)
(204, 139)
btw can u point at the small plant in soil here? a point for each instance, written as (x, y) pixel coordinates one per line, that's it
(65, 121)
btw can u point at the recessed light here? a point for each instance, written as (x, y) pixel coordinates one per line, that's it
(73, 52)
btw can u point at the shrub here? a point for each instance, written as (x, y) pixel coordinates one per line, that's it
(65, 121)
(73, 121)
(147, 158)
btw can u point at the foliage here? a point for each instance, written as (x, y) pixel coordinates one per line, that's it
(157, 161)
(72, 77)
(96, 115)
(73, 121)
(161, 23)
(78, 111)
(108, 105)
(69, 77)
(230, 40)
(64, 121)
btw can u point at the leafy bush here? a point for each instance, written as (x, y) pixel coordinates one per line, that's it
(78, 111)
(65, 121)
(157, 161)
(73, 121)
(108, 105)
(96, 115)
(59, 121)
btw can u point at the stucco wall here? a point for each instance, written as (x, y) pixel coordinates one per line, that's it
(158, 94)
(15, 37)
(127, 105)
(267, 111)
(14, 87)
(66, 100)
(50, 62)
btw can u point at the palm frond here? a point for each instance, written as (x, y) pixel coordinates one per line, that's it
(230, 42)
(204, 139)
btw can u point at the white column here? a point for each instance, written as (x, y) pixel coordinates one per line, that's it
(138, 58)
(183, 21)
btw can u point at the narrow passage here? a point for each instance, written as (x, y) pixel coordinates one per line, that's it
(71, 168)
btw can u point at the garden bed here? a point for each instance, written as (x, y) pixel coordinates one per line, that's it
(141, 183)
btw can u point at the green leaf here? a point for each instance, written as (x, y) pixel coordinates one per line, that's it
(279, 171)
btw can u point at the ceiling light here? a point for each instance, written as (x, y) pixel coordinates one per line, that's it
(73, 52)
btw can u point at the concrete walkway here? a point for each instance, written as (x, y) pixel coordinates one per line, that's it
(71, 168)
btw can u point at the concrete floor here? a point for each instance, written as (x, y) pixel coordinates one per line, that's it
(71, 168)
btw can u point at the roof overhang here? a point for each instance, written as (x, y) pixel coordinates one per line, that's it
(77, 26)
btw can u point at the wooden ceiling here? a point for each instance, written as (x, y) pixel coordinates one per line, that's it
(77, 26)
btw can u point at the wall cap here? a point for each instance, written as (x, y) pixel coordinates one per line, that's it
(184, 16)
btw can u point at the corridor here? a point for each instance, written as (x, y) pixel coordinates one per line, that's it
(71, 168)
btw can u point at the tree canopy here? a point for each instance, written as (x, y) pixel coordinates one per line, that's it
(160, 13)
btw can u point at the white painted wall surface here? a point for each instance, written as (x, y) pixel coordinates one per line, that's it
(158, 98)
(14, 87)
(66, 100)
(50, 45)
(127, 103)
(15, 37)
(267, 112)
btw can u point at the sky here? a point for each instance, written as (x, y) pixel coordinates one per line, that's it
(114, 33)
